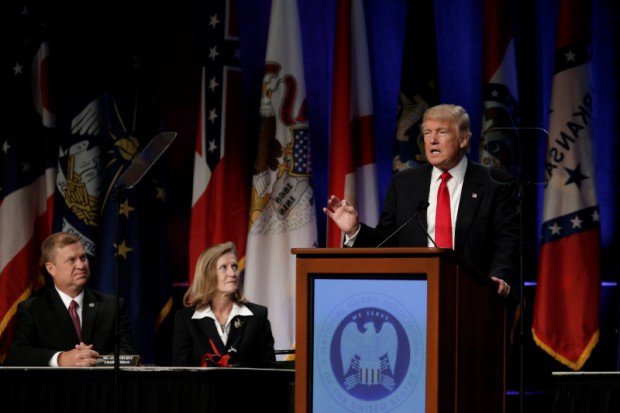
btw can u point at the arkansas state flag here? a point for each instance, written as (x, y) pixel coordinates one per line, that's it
(352, 170)
(220, 199)
(566, 309)
(498, 146)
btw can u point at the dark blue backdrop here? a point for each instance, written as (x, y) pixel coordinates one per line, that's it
(459, 30)
(459, 43)
(174, 35)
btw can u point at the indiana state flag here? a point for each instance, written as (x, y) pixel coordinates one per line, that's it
(133, 222)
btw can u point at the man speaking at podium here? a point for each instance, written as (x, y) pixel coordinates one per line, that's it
(453, 202)
(68, 325)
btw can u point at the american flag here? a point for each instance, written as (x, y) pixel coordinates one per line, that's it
(301, 152)
(27, 158)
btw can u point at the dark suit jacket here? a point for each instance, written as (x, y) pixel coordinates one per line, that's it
(487, 223)
(252, 342)
(44, 327)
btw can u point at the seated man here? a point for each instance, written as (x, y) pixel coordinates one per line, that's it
(68, 325)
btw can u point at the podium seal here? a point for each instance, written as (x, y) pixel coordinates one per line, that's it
(370, 354)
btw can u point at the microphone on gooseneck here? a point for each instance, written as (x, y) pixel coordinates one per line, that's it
(421, 207)
(424, 205)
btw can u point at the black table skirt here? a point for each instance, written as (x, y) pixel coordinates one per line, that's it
(587, 392)
(144, 389)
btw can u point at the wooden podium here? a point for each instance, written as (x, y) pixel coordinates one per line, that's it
(465, 323)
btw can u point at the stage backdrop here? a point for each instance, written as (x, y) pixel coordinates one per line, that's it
(174, 38)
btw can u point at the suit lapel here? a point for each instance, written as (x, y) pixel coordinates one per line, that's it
(237, 327)
(207, 325)
(420, 190)
(426, 178)
(471, 196)
(90, 310)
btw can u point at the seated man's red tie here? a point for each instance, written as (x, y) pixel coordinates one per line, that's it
(75, 318)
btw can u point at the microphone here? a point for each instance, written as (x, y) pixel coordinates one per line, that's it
(421, 206)
(424, 205)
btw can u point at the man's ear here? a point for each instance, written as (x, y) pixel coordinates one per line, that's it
(464, 140)
(50, 268)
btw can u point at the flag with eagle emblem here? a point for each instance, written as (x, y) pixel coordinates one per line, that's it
(282, 210)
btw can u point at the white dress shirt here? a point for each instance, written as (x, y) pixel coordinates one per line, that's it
(455, 187)
(223, 331)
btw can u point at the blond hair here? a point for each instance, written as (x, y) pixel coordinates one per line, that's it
(54, 242)
(203, 288)
(453, 113)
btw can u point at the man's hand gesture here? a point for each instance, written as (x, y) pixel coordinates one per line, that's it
(343, 214)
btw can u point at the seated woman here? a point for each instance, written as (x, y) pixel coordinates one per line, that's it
(220, 327)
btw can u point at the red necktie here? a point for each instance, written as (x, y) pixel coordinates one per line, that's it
(443, 218)
(75, 319)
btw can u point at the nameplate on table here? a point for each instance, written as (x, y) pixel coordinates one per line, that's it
(127, 360)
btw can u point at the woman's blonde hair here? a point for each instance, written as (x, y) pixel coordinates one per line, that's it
(203, 288)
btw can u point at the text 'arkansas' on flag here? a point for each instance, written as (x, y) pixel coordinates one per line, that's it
(566, 308)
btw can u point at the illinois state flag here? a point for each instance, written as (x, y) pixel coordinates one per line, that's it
(27, 160)
(282, 212)
(220, 198)
(566, 308)
(352, 169)
(499, 144)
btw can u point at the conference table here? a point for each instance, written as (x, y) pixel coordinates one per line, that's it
(146, 389)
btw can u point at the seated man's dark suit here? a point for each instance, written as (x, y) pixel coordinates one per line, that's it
(249, 344)
(44, 327)
(487, 223)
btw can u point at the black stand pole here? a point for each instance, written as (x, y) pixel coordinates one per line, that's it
(139, 166)
(521, 302)
(524, 178)
(118, 193)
